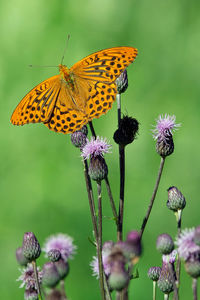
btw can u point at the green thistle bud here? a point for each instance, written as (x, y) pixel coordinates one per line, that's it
(127, 131)
(192, 265)
(122, 82)
(31, 246)
(154, 273)
(50, 275)
(164, 243)
(98, 169)
(62, 268)
(176, 200)
(21, 259)
(54, 255)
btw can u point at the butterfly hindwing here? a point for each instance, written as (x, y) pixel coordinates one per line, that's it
(38, 104)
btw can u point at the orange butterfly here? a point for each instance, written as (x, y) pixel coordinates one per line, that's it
(65, 102)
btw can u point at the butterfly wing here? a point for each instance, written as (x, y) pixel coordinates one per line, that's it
(100, 70)
(38, 104)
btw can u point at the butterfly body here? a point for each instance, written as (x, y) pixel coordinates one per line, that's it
(65, 102)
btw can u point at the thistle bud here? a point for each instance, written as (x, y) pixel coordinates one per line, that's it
(192, 265)
(79, 137)
(176, 200)
(164, 243)
(165, 147)
(21, 259)
(54, 255)
(62, 268)
(154, 273)
(98, 169)
(127, 131)
(122, 82)
(50, 275)
(166, 280)
(31, 246)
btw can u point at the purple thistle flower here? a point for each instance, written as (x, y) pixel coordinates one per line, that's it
(165, 126)
(28, 278)
(186, 245)
(95, 147)
(107, 247)
(61, 242)
(170, 258)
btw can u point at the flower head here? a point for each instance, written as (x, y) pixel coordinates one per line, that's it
(95, 147)
(28, 278)
(61, 242)
(165, 126)
(106, 250)
(170, 258)
(186, 244)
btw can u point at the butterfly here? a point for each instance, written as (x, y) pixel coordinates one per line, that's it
(65, 102)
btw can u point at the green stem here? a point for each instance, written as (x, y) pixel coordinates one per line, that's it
(194, 288)
(99, 243)
(36, 279)
(62, 285)
(112, 203)
(166, 296)
(153, 196)
(154, 290)
(91, 199)
(178, 215)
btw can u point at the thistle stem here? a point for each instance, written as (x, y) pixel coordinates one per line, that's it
(36, 279)
(166, 296)
(62, 285)
(92, 129)
(153, 196)
(154, 290)
(122, 176)
(91, 199)
(99, 243)
(194, 288)
(112, 203)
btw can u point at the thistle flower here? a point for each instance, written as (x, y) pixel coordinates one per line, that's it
(61, 242)
(95, 147)
(54, 255)
(163, 134)
(28, 278)
(186, 245)
(106, 250)
(31, 246)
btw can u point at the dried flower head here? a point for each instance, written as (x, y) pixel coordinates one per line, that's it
(61, 242)
(127, 131)
(186, 245)
(95, 147)
(28, 278)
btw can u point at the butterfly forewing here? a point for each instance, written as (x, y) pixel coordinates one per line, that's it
(38, 104)
(105, 65)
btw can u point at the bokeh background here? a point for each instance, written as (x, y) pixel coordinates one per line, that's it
(42, 185)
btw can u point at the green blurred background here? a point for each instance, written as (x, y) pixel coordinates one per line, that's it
(42, 184)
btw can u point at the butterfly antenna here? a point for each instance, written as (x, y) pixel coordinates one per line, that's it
(68, 37)
(38, 66)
